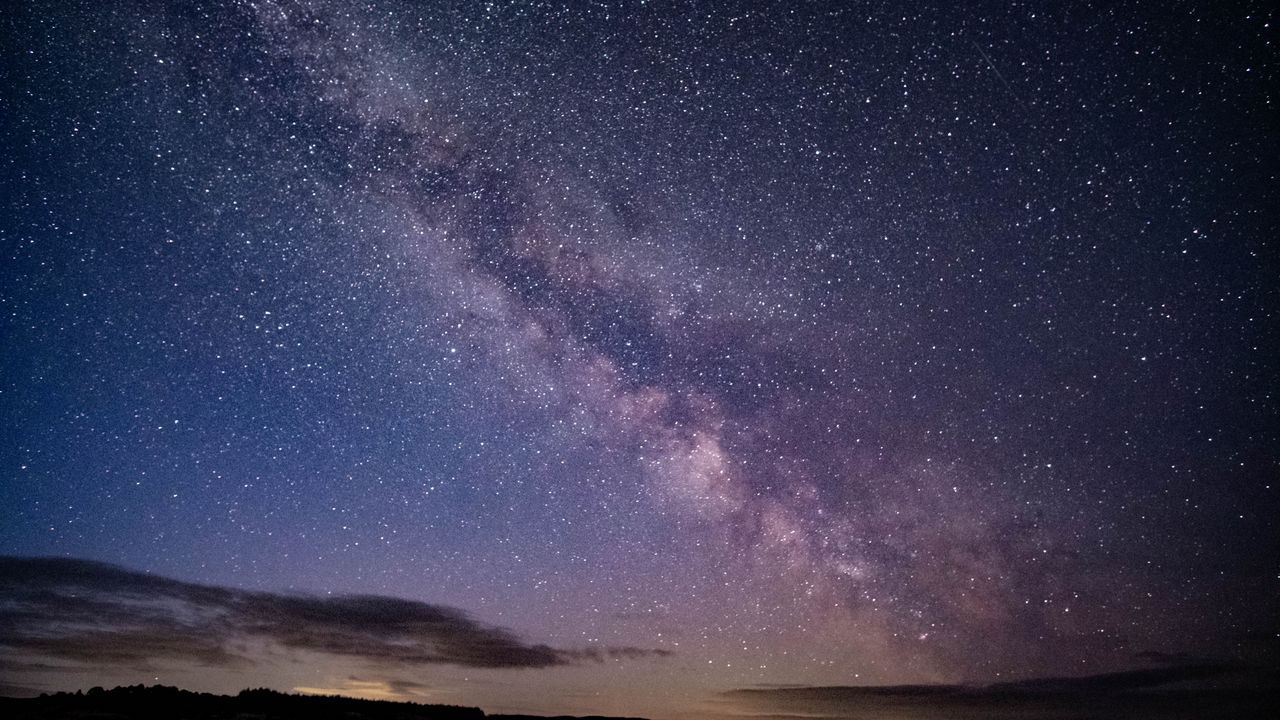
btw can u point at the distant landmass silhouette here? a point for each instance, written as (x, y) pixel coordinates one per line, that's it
(170, 703)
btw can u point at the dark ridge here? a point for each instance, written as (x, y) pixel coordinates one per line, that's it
(160, 702)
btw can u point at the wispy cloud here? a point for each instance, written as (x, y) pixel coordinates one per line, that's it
(89, 612)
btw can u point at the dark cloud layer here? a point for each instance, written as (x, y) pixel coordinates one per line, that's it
(1199, 690)
(98, 613)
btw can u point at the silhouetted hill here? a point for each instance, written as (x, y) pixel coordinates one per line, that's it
(169, 703)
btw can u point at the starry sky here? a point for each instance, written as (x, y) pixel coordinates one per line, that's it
(658, 350)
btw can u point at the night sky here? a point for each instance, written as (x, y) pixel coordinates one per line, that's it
(608, 357)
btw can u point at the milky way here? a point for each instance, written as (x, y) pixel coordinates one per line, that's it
(696, 347)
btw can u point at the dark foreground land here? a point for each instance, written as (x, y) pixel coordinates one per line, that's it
(169, 703)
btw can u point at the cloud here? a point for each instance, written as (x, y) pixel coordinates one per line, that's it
(1116, 682)
(1139, 693)
(1104, 683)
(92, 612)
